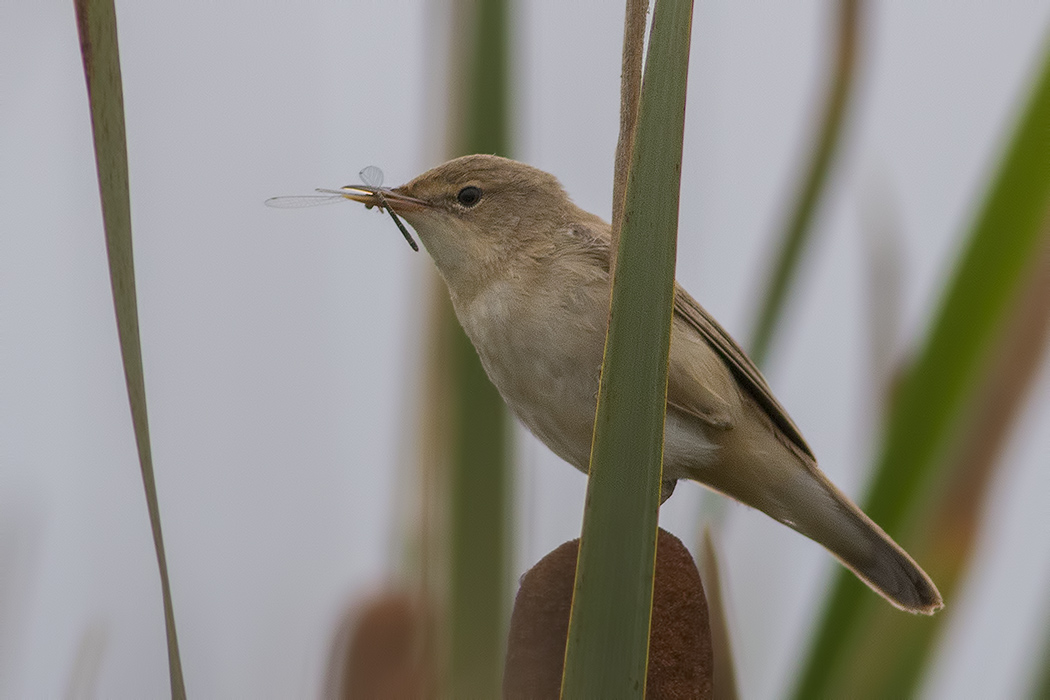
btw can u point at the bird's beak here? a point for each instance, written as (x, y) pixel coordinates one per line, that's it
(393, 201)
(378, 196)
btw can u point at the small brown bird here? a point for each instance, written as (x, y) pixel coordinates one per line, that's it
(528, 272)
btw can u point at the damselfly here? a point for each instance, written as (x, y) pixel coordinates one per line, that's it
(370, 193)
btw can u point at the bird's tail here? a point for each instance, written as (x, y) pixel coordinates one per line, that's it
(802, 498)
(834, 521)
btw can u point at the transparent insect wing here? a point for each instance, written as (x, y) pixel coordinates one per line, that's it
(300, 201)
(372, 176)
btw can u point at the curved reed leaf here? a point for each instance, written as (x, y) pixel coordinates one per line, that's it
(97, 25)
(799, 225)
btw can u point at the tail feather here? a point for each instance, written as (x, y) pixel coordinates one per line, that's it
(810, 504)
(864, 548)
(755, 464)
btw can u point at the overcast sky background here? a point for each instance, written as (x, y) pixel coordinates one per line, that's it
(282, 348)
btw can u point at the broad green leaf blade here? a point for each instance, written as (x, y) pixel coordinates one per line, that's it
(916, 495)
(97, 25)
(799, 225)
(480, 478)
(607, 649)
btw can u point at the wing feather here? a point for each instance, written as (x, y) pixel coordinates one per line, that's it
(751, 380)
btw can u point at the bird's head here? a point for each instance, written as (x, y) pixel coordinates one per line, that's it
(480, 215)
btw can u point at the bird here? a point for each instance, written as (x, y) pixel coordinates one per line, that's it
(528, 273)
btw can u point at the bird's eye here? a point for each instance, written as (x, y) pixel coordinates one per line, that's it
(469, 196)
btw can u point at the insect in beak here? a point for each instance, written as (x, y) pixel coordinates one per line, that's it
(371, 194)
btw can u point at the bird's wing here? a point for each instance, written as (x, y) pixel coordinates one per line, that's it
(698, 381)
(750, 379)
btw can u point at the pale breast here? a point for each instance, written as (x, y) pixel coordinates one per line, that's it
(541, 345)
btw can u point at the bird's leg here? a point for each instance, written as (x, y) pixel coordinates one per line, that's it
(666, 489)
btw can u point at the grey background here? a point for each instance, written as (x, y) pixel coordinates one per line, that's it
(282, 349)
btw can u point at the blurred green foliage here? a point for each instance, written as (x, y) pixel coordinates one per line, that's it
(480, 478)
(862, 648)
